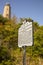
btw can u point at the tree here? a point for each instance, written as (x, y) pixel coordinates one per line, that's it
(3, 20)
(38, 42)
(35, 26)
(27, 19)
(4, 54)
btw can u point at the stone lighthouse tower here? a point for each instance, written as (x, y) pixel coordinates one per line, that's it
(7, 11)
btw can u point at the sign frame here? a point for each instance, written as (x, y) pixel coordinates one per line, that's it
(20, 32)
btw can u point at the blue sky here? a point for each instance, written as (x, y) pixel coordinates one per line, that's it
(25, 8)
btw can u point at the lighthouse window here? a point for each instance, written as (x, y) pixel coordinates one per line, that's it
(7, 8)
(6, 14)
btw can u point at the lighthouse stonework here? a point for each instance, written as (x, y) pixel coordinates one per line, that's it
(7, 11)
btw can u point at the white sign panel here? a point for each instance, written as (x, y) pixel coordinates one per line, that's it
(25, 35)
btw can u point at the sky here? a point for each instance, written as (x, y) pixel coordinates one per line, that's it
(25, 8)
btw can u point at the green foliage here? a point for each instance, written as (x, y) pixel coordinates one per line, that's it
(2, 19)
(27, 19)
(38, 40)
(9, 52)
(4, 56)
(35, 26)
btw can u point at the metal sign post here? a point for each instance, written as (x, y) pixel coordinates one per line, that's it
(24, 55)
(25, 37)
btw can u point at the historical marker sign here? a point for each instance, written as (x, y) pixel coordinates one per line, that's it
(25, 34)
